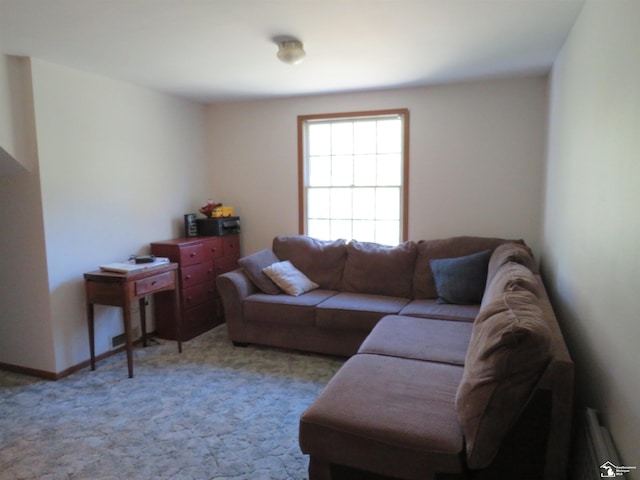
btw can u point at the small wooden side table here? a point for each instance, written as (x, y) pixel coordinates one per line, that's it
(121, 290)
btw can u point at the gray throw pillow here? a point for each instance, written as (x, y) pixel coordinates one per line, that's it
(254, 264)
(461, 280)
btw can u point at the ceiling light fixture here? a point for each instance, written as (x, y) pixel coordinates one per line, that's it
(291, 51)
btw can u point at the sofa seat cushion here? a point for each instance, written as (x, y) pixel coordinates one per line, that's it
(430, 308)
(357, 311)
(442, 341)
(283, 308)
(388, 415)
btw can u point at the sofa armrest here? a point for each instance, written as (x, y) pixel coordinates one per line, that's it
(558, 379)
(233, 288)
(555, 391)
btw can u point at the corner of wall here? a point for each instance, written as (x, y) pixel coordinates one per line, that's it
(17, 125)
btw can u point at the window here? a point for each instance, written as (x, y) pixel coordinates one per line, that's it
(353, 171)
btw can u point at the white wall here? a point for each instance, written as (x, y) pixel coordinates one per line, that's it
(15, 101)
(591, 220)
(26, 337)
(119, 165)
(476, 158)
(7, 154)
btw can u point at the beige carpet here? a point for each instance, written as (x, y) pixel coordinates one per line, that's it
(213, 412)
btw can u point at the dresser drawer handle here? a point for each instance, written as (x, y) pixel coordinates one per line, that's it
(187, 277)
(154, 282)
(193, 254)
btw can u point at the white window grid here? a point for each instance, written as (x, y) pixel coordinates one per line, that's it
(353, 186)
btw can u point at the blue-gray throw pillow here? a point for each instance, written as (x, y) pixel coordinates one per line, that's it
(253, 265)
(461, 280)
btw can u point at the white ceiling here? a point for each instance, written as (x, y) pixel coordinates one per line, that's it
(223, 50)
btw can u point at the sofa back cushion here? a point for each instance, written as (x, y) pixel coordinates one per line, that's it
(379, 269)
(510, 252)
(507, 354)
(423, 281)
(321, 261)
(509, 277)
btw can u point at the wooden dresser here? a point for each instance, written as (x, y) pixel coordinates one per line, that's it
(200, 260)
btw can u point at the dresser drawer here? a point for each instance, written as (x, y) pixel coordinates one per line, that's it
(192, 254)
(225, 264)
(231, 246)
(213, 248)
(199, 319)
(192, 275)
(193, 296)
(153, 284)
(209, 270)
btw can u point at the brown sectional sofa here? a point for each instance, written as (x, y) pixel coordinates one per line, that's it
(359, 284)
(432, 389)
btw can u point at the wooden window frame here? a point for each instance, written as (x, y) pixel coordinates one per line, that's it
(404, 112)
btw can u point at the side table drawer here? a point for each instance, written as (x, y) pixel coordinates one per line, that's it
(153, 284)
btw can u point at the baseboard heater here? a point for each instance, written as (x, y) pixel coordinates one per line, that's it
(595, 456)
(118, 341)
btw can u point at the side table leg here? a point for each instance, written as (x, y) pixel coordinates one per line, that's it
(92, 345)
(178, 316)
(143, 320)
(126, 314)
